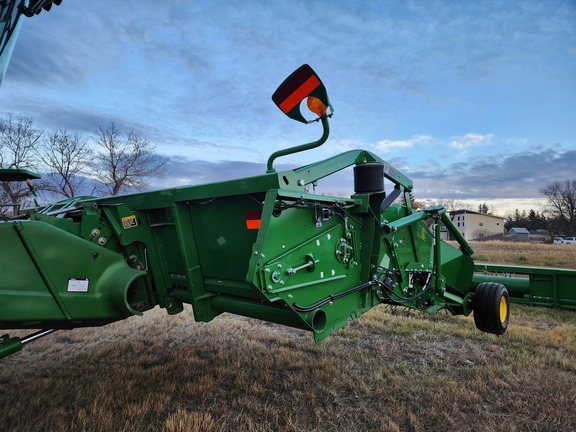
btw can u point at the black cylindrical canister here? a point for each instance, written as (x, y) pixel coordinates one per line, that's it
(369, 177)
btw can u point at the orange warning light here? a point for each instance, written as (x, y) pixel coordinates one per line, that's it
(316, 106)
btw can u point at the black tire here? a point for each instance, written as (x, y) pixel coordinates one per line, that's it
(491, 308)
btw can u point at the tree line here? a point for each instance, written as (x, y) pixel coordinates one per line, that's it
(558, 218)
(531, 220)
(110, 163)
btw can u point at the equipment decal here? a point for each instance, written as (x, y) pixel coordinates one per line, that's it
(129, 222)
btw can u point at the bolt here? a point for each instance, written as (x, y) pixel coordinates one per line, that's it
(95, 233)
(102, 241)
(279, 265)
(267, 270)
(276, 276)
(290, 296)
(262, 256)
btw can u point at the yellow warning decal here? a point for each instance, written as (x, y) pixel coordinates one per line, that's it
(129, 222)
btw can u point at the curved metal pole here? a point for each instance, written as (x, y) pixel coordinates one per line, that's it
(302, 147)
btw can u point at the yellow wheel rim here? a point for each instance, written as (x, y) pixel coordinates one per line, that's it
(503, 309)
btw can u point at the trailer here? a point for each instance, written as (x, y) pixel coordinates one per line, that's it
(263, 247)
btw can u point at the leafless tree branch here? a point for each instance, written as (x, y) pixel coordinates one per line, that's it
(18, 142)
(125, 160)
(67, 156)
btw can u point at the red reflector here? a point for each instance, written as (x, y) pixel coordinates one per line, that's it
(253, 220)
(299, 94)
(253, 224)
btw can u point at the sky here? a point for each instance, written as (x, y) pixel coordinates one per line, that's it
(475, 101)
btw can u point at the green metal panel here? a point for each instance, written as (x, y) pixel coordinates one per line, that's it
(223, 239)
(60, 280)
(23, 293)
(296, 261)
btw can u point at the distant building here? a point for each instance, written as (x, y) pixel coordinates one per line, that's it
(521, 234)
(475, 226)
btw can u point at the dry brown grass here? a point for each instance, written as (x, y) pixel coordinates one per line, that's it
(388, 371)
(531, 254)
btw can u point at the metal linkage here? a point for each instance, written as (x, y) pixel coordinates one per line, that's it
(10, 345)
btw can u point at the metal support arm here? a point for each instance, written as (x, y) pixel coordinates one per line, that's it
(302, 147)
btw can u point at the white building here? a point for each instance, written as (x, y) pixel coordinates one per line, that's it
(473, 225)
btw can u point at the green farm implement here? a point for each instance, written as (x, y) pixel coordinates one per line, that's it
(261, 247)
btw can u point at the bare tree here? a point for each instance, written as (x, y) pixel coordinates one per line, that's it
(67, 157)
(125, 160)
(18, 141)
(561, 197)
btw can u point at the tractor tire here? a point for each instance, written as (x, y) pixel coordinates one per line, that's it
(491, 308)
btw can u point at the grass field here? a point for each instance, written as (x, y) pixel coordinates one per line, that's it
(388, 371)
(532, 254)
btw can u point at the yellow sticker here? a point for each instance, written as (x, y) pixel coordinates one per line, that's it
(422, 232)
(129, 222)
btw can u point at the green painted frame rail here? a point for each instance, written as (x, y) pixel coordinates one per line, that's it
(536, 286)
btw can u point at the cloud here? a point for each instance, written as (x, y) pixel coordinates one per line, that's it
(516, 175)
(385, 145)
(343, 145)
(470, 140)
